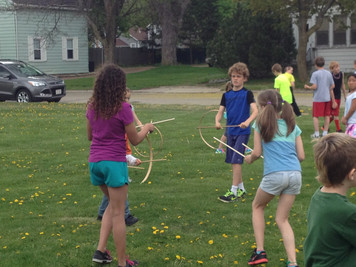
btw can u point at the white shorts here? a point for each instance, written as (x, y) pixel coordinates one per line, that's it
(285, 182)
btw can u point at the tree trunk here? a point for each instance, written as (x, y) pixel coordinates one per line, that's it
(169, 37)
(171, 14)
(302, 53)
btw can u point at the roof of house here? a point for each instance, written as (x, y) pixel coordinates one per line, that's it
(138, 33)
(121, 43)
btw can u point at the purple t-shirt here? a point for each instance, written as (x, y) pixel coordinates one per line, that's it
(108, 141)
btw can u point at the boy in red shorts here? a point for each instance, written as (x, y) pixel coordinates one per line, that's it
(323, 96)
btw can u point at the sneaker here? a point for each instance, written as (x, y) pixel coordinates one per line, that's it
(228, 197)
(241, 193)
(219, 151)
(99, 218)
(130, 220)
(130, 263)
(258, 258)
(313, 136)
(101, 257)
(291, 265)
(247, 150)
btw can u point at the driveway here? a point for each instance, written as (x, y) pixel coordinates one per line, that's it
(179, 95)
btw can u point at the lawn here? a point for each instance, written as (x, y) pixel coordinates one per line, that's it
(49, 208)
(160, 76)
(181, 75)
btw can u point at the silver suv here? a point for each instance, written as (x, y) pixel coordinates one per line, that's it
(24, 83)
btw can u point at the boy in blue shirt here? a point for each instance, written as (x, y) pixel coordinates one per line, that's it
(241, 109)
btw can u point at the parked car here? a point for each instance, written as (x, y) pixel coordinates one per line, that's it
(24, 83)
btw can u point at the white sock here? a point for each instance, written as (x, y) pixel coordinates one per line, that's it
(234, 189)
(316, 133)
(241, 186)
(325, 133)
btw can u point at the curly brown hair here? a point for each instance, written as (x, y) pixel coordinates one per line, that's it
(109, 91)
(240, 68)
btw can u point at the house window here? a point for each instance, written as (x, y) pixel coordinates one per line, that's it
(70, 48)
(339, 30)
(133, 45)
(36, 49)
(70, 51)
(322, 35)
(353, 29)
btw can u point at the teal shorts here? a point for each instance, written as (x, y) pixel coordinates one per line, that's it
(111, 173)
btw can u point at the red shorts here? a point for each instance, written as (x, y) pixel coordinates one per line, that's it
(321, 109)
(335, 112)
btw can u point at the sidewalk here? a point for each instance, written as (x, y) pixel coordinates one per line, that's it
(179, 95)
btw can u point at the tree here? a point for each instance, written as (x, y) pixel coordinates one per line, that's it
(170, 16)
(302, 11)
(259, 41)
(199, 24)
(104, 18)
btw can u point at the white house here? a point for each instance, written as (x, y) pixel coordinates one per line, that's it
(335, 41)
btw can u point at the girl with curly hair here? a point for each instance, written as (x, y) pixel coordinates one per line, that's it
(109, 117)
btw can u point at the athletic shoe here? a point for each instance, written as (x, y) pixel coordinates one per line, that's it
(313, 136)
(241, 193)
(258, 258)
(288, 264)
(130, 220)
(99, 218)
(247, 150)
(219, 151)
(228, 197)
(130, 263)
(101, 257)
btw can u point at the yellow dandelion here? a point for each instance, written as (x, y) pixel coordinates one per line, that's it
(200, 262)
(178, 257)
(178, 236)
(166, 259)
(150, 248)
(211, 242)
(236, 262)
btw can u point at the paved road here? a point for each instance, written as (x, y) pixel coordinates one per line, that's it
(181, 95)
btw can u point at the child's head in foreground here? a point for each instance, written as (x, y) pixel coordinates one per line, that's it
(335, 157)
(239, 68)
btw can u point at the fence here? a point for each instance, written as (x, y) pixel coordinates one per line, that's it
(129, 57)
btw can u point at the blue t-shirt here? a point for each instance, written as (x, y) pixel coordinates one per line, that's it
(280, 153)
(237, 105)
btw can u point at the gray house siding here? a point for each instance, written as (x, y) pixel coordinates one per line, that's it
(7, 29)
(345, 57)
(16, 40)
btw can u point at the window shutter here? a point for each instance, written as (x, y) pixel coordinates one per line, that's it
(75, 48)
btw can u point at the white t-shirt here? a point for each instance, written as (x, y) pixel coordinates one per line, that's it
(348, 102)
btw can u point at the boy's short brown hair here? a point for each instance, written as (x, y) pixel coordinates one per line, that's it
(277, 68)
(335, 157)
(240, 68)
(319, 61)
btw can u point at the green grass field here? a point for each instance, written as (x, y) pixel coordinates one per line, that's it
(160, 76)
(49, 207)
